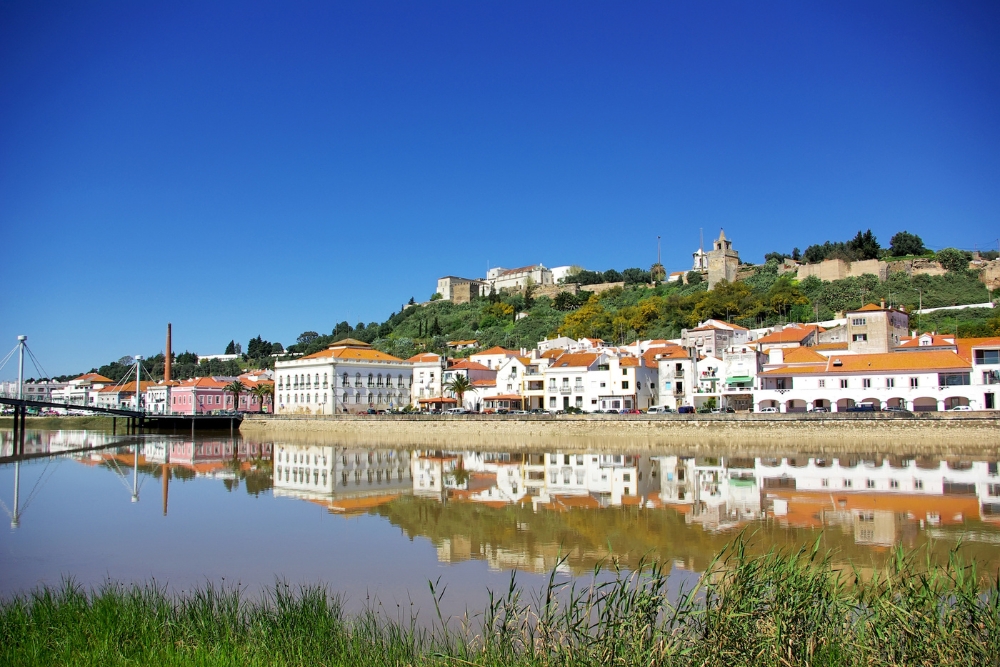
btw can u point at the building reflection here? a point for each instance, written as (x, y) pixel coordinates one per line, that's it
(571, 508)
(344, 480)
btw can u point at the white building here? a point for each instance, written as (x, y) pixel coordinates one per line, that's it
(348, 377)
(427, 372)
(515, 280)
(917, 381)
(81, 390)
(592, 381)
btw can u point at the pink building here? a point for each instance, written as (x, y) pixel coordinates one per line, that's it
(207, 395)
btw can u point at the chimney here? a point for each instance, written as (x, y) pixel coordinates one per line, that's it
(166, 362)
(776, 355)
(882, 304)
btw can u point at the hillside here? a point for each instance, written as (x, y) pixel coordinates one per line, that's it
(661, 311)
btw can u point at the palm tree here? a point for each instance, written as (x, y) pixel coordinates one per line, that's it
(236, 388)
(263, 392)
(459, 384)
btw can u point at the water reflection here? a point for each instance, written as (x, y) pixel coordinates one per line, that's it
(535, 510)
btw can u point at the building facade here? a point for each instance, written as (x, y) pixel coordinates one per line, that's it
(348, 377)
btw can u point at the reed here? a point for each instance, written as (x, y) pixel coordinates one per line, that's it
(780, 608)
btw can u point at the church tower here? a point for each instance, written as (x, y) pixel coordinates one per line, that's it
(723, 261)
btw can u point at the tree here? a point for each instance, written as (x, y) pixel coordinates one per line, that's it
(634, 276)
(264, 393)
(459, 384)
(612, 276)
(694, 277)
(236, 389)
(953, 259)
(277, 348)
(864, 246)
(566, 301)
(307, 337)
(437, 296)
(905, 243)
(657, 272)
(186, 357)
(435, 327)
(778, 257)
(231, 348)
(412, 301)
(796, 254)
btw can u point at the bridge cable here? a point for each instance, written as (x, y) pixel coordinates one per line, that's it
(7, 358)
(37, 364)
(39, 483)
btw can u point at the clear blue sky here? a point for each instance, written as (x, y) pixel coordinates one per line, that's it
(249, 168)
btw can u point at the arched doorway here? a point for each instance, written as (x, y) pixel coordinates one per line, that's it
(896, 403)
(795, 405)
(925, 404)
(845, 403)
(955, 401)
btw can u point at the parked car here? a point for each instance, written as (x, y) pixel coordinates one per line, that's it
(659, 410)
(898, 409)
(960, 408)
(456, 411)
(520, 412)
(631, 411)
(685, 410)
(819, 410)
(538, 411)
(768, 411)
(372, 411)
(864, 407)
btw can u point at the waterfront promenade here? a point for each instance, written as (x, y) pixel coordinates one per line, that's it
(935, 433)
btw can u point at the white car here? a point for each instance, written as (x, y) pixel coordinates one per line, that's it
(769, 411)
(456, 411)
(960, 408)
(659, 410)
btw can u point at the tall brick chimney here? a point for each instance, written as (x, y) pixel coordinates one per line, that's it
(166, 362)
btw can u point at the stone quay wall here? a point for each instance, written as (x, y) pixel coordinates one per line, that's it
(953, 434)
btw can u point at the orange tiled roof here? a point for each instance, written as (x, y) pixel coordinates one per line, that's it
(793, 334)
(802, 355)
(482, 383)
(127, 388)
(352, 354)
(873, 363)
(94, 377)
(935, 341)
(467, 365)
(581, 359)
(829, 346)
(966, 345)
(463, 342)
(508, 272)
(552, 354)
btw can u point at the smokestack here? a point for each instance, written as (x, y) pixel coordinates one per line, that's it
(166, 363)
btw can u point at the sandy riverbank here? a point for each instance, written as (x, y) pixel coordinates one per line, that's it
(951, 435)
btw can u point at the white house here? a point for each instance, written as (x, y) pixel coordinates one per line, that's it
(427, 372)
(348, 377)
(81, 390)
(918, 381)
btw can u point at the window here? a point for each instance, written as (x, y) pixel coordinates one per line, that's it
(822, 384)
(859, 338)
(624, 384)
(858, 322)
(866, 383)
(371, 380)
(914, 383)
(870, 483)
(843, 384)
(345, 382)
(890, 383)
(986, 357)
(357, 379)
(848, 483)
(893, 484)
(918, 484)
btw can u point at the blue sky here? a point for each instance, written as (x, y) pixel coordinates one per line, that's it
(251, 168)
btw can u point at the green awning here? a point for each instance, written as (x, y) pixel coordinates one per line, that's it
(739, 379)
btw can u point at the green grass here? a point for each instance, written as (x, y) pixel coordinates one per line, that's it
(776, 609)
(74, 422)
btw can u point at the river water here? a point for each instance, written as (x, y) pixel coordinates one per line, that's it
(376, 524)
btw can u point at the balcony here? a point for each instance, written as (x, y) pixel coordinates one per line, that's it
(578, 389)
(565, 389)
(678, 372)
(552, 389)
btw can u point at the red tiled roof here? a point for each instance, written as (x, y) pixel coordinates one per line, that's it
(578, 359)
(793, 334)
(496, 349)
(467, 365)
(966, 345)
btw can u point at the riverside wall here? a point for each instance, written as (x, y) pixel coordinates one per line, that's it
(938, 434)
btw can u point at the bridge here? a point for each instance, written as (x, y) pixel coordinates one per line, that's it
(136, 419)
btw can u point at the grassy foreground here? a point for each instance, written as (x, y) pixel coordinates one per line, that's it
(775, 609)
